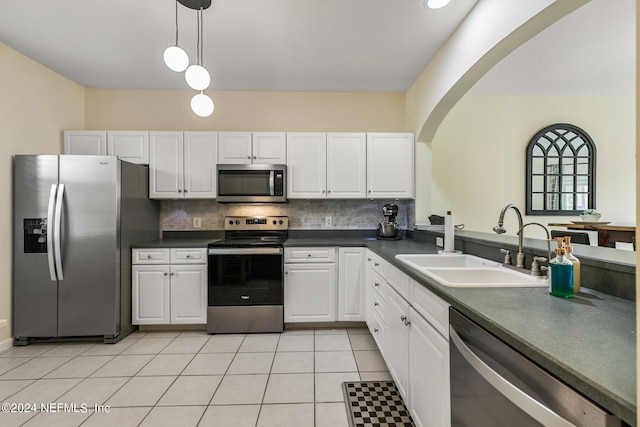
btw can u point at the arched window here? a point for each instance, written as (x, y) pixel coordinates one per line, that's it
(561, 171)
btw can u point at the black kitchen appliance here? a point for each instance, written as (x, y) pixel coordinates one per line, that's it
(245, 286)
(389, 229)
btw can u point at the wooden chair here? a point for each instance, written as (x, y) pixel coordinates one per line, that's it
(576, 236)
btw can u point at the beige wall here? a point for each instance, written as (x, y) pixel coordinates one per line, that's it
(35, 106)
(479, 154)
(238, 111)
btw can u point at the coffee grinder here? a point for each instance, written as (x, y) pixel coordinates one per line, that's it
(389, 228)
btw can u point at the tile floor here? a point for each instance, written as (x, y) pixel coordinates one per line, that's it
(189, 378)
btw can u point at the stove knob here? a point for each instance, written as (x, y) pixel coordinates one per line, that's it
(237, 222)
(281, 222)
(230, 222)
(275, 222)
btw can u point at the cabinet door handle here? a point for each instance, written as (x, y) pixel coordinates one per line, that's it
(368, 259)
(188, 256)
(179, 191)
(171, 274)
(185, 190)
(403, 318)
(286, 272)
(375, 330)
(375, 264)
(166, 274)
(255, 157)
(376, 284)
(248, 157)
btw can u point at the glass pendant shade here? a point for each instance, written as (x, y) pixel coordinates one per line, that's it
(437, 4)
(202, 105)
(176, 59)
(197, 77)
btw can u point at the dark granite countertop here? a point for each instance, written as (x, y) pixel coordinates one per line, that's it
(174, 243)
(588, 341)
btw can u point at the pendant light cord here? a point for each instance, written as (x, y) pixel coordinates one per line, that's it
(176, 22)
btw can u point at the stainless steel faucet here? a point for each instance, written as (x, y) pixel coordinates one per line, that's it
(499, 229)
(535, 267)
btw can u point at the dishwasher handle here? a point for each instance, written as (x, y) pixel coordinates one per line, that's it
(522, 400)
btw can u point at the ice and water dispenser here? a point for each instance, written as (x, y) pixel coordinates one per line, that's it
(35, 235)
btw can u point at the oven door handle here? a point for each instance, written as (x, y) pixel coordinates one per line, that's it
(522, 400)
(245, 251)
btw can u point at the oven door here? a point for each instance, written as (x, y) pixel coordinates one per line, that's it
(245, 276)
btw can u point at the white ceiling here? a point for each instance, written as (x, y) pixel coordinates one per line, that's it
(312, 45)
(275, 45)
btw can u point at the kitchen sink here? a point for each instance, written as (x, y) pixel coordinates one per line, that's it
(485, 277)
(468, 271)
(444, 260)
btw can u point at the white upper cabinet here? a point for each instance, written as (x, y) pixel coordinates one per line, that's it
(166, 167)
(346, 165)
(91, 142)
(269, 148)
(256, 147)
(200, 159)
(132, 146)
(306, 165)
(390, 165)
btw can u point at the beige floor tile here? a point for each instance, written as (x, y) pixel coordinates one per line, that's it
(332, 343)
(58, 419)
(148, 345)
(35, 368)
(186, 345)
(331, 415)
(370, 361)
(9, 387)
(162, 334)
(335, 361)
(109, 349)
(183, 416)
(297, 331)
(79, 367)
(118, 417)
(231, 415)
(15, 419)
(293, 362)
(258, 343)
(188, 333)
(123, 365)
(295, 342)
(69, 349)
(166, 364)
(289, 388)
(223, 344)
(376, 376)
(209, 364)
(43, 391)
(363, 342)
(194, 390)
(240, 389)
(329, 385)
(286, 415)
(31, 350)
(331, 331)
(141, 391)
(8, 363)
(358, 331)
(251, 363)
(94, 390)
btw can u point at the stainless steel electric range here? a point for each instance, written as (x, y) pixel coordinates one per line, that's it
(245, 289)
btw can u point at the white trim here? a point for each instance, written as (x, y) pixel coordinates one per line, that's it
(6, 344)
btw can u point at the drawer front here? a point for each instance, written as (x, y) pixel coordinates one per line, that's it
(377, 330)
(188, 256)
(431, 307)
(150, 256)
(311, 254)
(377, 303)
(379, 265)
(398, 281)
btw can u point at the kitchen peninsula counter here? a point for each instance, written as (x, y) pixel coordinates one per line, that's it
(588, 341)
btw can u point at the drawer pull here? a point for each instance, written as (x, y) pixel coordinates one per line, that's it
(188, 256)
(375, 330)
(376, 284)
(376, 264)
(148, 256)
(375, 304)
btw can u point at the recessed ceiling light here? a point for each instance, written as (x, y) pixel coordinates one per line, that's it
(437, 4)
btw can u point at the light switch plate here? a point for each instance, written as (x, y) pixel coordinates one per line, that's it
(197, 222)
(328, 221)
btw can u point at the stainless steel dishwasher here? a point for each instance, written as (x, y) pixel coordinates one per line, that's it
(493, 385)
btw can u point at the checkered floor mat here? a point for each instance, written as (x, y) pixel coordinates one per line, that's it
(375, 403)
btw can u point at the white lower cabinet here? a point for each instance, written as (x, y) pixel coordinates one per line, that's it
(351, 282)
(310, 292)
(170, 293)
(409, 323)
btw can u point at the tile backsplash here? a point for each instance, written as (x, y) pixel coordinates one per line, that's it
(178, 215)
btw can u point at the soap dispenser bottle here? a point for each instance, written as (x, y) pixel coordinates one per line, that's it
(576, 265)
(561, 273)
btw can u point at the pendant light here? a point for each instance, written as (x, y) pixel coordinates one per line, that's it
(202, 105)
(436, 4)
(174, 56)
(197, 76)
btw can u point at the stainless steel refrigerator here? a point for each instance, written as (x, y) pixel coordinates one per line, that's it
(74, 219)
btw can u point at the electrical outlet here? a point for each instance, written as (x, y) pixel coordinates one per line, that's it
(439, 242)
(197, 222)
(328, 221)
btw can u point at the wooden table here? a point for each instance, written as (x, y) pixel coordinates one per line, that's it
(607, 234)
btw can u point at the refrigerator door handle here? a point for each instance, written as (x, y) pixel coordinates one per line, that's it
(50, 221)
(57, 231)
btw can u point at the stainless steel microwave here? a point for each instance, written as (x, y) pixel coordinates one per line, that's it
(252, 183)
